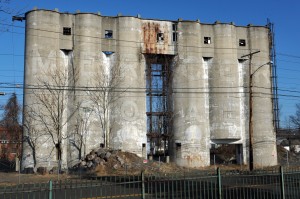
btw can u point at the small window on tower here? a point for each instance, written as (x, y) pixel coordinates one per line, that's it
(174, 36)
(108, 34)
(67, 31)
(174, 32)
(160, 36)
(242, 42)
(207, 40)
(174, 27)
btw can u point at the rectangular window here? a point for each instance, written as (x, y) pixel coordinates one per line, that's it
(178, 150)
(174, 36)
(67, 31)
(207, 40)
(160, 36)
(242, 42)
(174, 27)
(108, 34)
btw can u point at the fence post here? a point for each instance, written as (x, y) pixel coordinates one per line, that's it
(50, 189)
(219, 183)
(282, 183)
(143, 185)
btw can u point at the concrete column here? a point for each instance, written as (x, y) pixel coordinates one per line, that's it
(264, 138)
(224, 87)
(129, 116)
(191, 113)
(88, 63)
(41, 55)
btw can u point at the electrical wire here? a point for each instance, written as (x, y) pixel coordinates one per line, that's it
(283, 54)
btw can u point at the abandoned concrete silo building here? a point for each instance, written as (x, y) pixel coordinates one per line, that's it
(145, 86)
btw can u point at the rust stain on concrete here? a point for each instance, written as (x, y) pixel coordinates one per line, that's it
(150, 35)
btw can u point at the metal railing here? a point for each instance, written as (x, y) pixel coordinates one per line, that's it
(277, 184)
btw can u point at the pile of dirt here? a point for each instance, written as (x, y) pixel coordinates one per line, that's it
(102, 162)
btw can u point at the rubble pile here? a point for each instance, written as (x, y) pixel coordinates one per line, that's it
(106, 161)
(116, 162)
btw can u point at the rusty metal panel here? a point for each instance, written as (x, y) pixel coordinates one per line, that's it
(157, 37)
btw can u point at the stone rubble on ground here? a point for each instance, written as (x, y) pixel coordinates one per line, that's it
(107, 158)
(116, 162)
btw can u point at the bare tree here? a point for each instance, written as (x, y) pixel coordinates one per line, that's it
(107, 83)
(295, 119)
(51, 109)
(51, 102)
(33, 135)
(81, 128)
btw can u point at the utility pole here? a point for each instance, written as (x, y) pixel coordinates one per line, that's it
(250, 110)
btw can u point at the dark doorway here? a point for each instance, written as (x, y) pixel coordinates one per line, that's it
(226, 154)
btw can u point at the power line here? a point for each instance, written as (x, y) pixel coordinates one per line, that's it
(114, 39)
(289, 55)
(38, 29)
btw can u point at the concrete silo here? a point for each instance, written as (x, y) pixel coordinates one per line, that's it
(150, 87)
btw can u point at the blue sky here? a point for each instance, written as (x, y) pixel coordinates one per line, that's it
(284, 14)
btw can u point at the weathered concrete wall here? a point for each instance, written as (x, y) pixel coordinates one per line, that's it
(87, 61)
(129, 132)
(43, 56)
(191, 113)
(210, 84)
(224, 85)
(264, 138)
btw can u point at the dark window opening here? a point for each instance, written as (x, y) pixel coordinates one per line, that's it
(207, 40)
(226, 154)
(178, 150)
(174, 33)
(160, 36)
(242, 42)
(108, 52)
(242, 61)
(207, 59)
(174, 36)
(67, 31)
(108, 34)
(66, 51)
(158, 101)
(174, 27)
(58, 151)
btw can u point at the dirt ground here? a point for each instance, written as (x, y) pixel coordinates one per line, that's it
(12, 178)
(133, 165)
